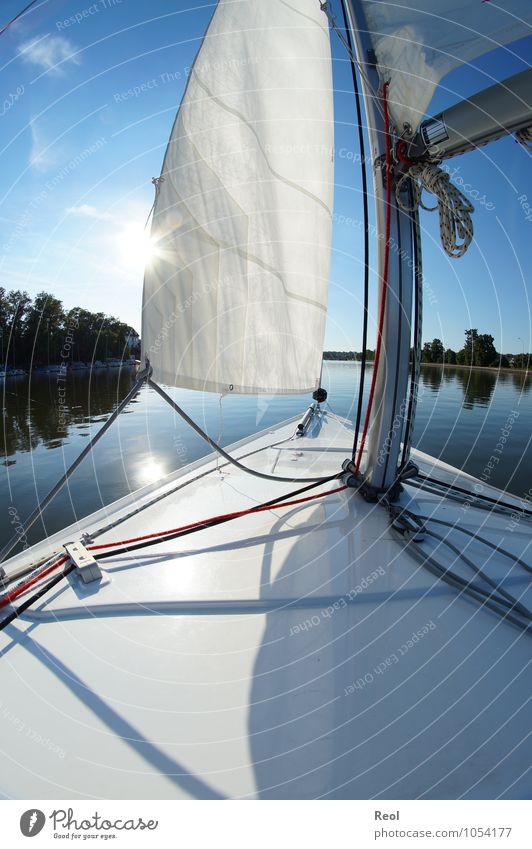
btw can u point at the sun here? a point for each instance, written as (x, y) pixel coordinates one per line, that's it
(135, 246)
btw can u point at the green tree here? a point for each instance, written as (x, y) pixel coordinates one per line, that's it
(478, 350)
(370, 355)
(15, 307)
(426, 353)
(43, 329)
(40, 332)
(467, 353)
(437, 351)
(450, 357)
(485, 352)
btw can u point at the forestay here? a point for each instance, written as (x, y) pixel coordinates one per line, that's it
(418, 42)
(235, 294)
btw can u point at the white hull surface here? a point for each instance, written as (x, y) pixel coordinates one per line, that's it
(295, 653)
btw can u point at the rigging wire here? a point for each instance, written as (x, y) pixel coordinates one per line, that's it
(164, 395)
(496, 507)
(325, 7)
(17, 17)
(380, 328)
(364, 179)
(458, 527)
(477, 496)
(420, 521)
(497, 599)
(146, 541)
(465, 587)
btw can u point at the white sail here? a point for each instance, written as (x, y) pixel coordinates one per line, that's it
(235, 295)
(418, 42)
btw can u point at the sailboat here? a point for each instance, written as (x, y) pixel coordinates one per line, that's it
(319, 610)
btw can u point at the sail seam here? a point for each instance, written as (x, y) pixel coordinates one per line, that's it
(244, 120)
(244, 254)
(325, 30)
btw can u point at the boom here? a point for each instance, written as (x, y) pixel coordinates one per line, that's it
(497, 111)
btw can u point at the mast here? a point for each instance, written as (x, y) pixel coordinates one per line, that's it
(390, 395)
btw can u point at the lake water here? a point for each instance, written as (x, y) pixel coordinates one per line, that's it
(460, 418)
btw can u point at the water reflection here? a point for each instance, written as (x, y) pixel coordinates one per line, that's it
(522, 382)
(149, 440)
(431, 376)
(40, 410)
(477, 387)
(150, 469)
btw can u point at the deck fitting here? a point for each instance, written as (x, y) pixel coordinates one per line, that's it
(86, 566)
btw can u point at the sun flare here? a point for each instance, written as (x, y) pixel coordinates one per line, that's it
(150, 470)
(135, 246)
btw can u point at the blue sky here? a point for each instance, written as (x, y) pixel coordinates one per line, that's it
(89, 103)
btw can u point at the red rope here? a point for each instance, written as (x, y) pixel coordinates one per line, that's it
(384, 277)
(400, 151)
(235, 515)
(7, 599)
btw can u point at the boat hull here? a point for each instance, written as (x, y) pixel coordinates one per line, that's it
(296, 653)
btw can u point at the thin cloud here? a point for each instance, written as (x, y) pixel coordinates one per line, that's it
(40, 157)
(48, 52)
(89, 211)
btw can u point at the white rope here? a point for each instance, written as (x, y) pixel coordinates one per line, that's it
(157, 184)
(456, 225)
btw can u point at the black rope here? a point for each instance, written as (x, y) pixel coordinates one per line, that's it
(497, 599)
(416, 358)
(36, 596)
(209, 523)
(469, 588)
(451, 487)
(366, 228)
(421, 522)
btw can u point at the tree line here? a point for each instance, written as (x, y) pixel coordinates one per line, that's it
(478, 350)
(39, 331)
(348, 355)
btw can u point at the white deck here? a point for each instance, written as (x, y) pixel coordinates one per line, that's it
(269, 657)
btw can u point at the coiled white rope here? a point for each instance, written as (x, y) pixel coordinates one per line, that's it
(456, 224)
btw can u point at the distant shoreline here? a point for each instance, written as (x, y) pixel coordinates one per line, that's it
(492, 369)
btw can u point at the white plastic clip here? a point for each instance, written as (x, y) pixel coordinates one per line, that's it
(86, 566)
